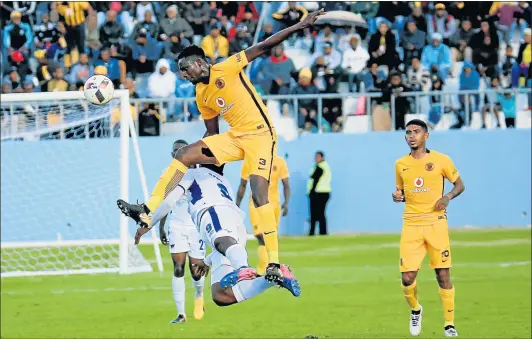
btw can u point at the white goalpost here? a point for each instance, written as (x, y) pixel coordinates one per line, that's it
(64, 163)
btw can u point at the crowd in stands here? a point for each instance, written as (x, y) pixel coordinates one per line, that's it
(407, 46)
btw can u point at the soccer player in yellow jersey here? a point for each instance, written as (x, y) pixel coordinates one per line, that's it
(223, 89)
(279, 172)
(420, 178)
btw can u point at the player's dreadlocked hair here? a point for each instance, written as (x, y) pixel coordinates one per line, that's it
(180, 141)
(192, 50)
(418, 122)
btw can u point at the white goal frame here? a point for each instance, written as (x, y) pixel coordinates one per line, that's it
(125, 240)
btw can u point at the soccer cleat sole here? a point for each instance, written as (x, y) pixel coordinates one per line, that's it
(274, 276)
(124, 207)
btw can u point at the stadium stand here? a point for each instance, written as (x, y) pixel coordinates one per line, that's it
(436, 49)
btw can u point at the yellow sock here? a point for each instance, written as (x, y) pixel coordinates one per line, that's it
(263, 260)
(166, 183)
(269, 231)
(447, 300)
(410, 293)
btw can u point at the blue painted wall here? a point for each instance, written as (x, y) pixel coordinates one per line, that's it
(70, 187)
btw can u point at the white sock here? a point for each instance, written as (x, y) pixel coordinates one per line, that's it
(247, 289)
(237, 255)
(178, 288)
(198, 285)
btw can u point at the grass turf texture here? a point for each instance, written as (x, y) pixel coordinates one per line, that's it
(350, 288)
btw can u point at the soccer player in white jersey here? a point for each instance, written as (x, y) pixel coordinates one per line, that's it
(183, 238)
(221, 225)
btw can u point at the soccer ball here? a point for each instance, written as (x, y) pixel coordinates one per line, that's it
(98, 89)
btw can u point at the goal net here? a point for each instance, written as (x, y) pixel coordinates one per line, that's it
(64, 163)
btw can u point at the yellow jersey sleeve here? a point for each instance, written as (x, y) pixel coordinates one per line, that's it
(398, 179)
(245, 171)
(449, 170)
(234, 64)
(283, 170)
(85, 5)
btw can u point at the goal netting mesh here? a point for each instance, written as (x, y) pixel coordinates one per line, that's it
(62, 168)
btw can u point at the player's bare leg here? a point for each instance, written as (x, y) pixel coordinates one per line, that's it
(443, 275)
(408, 280)
(178, 286)
(198, 281)
(238, 257)
(193, 154)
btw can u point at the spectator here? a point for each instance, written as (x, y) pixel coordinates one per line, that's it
(17, 35)
(266, 32)
(242, 41)
(506, 105)
(129, 84)
(402, 106)
(111, 31)
(248, 20)
(185, 89)
(81, 71)
(418, 76)
(395, 12)
(505, 11)
(441, 22)
(382, 47)
(92, 36)
(111, 64)
(14, 81)
(18, 60)
(491, 100)
(326, 35)
(197, 15)
(368, 10)
(175, 46)
(470, 80)
(486, 58)
(319, 190)
(418, 16)
(73, 15)
(43, 73)
(333, 58)
(27, 10)
(486, 30)
(437, 103)
(276, 71)
(307, 107)
(247, 7)
(141, 9)
(459, 42)
(216, 47)
(522, 66)
(149, 121)
(227, 29)
(461, 11)
(375, 78)
(412, 41)
(523, 19)
(175, 24)
(354, 62)
(46, 33)
(291, 15)
(161, 84)
(148, 27)
(58, 84)
(228, 8)
(509, 61)
(437, 57)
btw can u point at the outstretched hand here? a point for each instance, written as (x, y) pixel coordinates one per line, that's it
(311, 19)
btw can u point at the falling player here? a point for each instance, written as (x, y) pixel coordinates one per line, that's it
(223, 89)
(420, 178)
(220, 223)
(183, 238)
(279, 172)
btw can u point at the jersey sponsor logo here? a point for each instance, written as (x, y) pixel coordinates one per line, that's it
(418, 183)
(220, 83)
(429, 167)
(220, 102)
(227, 108)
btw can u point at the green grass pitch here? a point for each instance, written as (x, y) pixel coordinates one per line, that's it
(350, 289)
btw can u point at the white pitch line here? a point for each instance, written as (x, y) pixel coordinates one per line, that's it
(327, 269)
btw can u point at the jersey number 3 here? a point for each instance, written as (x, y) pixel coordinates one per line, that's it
(224, 191)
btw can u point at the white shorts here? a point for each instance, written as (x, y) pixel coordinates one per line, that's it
(216, 222)
(185, 239)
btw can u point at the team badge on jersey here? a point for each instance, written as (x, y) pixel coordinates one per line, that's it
(418, 182)
(220, 102)
(429, 167)
(220, 83)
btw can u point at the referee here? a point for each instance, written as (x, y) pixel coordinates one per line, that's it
(319, 191)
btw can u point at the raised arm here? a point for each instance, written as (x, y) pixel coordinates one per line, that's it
(259, 49)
